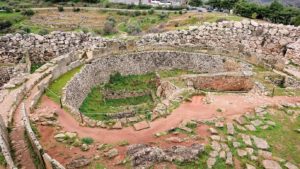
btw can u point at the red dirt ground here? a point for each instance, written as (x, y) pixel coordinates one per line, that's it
(231, 104)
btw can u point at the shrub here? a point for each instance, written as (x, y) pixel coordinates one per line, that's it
(133, 29)
(180, 12)
(5, 24)
(109, 26)
(6, 9)
(60, 9)
(76, 9)
(43, 32)
(163, 15)
(26, 29)
(27, 12)
(151, 11)
(87, 140)
(17, 10)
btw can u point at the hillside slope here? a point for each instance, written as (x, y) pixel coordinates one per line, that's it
(286, 2)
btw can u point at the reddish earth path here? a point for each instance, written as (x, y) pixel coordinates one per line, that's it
(232, 104)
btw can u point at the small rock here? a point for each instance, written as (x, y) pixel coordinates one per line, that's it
(264, 154)
(236, 144)
(213, 154)
(253, 158)
(175, 139)
(264, 127)
(215, 146)
(240, 120)
(117, 125)
(271, 123)
(270, 164)
(250, 127)
(246, 139)
(112, 153)
(222, 154)
(250, 151)
(229, 160)
(219, 124)
(289, 165)
(230, 129)
(260, 143)
(241, 153)
(211, 162)
(85, 147)
(248, 166)
(256, 122)
(213, 131)
(215, 137)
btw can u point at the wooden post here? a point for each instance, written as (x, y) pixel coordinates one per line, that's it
(60, 101)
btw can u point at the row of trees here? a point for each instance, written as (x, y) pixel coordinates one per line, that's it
(275, 12)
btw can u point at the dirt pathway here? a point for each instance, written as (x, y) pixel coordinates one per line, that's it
(17, 135)
(231, 104)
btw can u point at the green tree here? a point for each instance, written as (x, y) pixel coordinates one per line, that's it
(215, 3)
(196, 3)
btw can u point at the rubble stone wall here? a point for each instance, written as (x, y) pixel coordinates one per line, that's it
(4, 145)
(259, 43)
(5, 72)
(139, 63)
(227, 81)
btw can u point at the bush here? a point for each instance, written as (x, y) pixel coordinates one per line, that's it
(26, 29)
(43, 32)
(151, 11)
(163, 15)
(5, 24)
(87, 140)
(27, 12)
(296, 20)
(76, 9)
(17, 10)
(133, 29)
(6, 9)
(109, 26)
(60, 9)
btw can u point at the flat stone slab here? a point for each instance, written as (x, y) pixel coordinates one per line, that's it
(270, 164)
(141, 125)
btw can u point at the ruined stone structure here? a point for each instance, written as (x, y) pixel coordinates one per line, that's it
(205, 49)
(138, 63)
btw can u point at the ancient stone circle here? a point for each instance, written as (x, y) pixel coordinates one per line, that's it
(221, 53)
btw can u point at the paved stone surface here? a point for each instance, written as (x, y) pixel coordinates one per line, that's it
(241, 153)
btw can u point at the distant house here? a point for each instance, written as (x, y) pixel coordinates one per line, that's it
(153, 2)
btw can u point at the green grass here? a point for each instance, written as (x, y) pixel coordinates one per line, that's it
(57, 85)
(260, 76)
(131, 82)
(283, 132)
(97, 165)
(34, 67)
(95, 106)
(173, 73)
(2, 160)
(87, 140)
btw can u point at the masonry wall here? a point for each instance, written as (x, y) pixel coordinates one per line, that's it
(227, 81)
(139, 63)
(259, 43)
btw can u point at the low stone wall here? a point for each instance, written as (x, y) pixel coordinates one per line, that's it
(227, 81)
(4, 146)
(99, 70)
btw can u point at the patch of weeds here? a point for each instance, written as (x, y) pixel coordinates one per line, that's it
(36, 160)
(219, 110)
(2, 160)
(34, 67)
(35, 129)
(87, 140)
(97, 166)
(123, 143)
(57, 85)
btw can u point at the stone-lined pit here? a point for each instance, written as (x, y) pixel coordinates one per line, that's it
(219, 71)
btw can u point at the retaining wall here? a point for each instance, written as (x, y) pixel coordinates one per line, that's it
(140, 63)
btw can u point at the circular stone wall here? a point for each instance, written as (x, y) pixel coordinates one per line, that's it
(100, 69)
